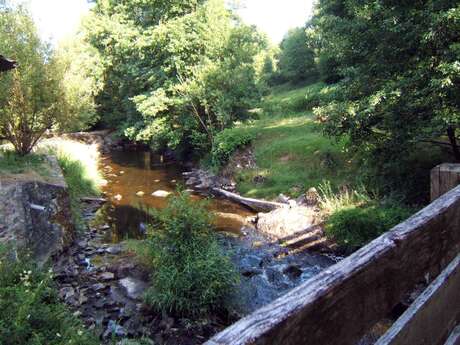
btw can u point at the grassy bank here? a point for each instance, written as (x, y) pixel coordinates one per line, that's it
(292, 155)
(79, 163)
(291, 152)
(80, 166)
(31, 310)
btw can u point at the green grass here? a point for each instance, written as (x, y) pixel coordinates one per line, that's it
(12, 163)
(291, 152)
(80, 166)
(31, 310)
(79, 163)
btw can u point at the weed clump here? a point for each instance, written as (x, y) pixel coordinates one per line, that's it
(31, 312)
(191, 274)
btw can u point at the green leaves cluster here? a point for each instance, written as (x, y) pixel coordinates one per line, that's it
(191, 274)
(29, 97)
(175, 73)
(398, 64)
(297, 59)
(354, 226)
(41, 94)
(227, 142)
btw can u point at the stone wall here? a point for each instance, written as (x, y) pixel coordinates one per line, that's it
(35, 213)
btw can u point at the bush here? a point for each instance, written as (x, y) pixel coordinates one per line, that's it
(191, 275)
(353, 226)
(31, 313)
(227, 142)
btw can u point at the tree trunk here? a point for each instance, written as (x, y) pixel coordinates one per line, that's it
(453, 143)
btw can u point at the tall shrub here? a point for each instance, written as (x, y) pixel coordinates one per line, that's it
(191, 274)
(31, 95)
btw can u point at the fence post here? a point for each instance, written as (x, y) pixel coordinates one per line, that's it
(444, 177)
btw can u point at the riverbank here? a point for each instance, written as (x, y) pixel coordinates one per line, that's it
(102, 280)
(290, 152)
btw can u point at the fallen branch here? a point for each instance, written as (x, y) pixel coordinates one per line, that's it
(254, 204)
(88, 199)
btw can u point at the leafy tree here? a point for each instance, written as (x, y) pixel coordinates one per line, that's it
(77, 64)
(175, 72)
(30, 104)
(399, 64)
(296, 59)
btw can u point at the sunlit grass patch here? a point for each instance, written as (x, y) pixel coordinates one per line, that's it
(80, 166)
(12, 163)
(292, 155)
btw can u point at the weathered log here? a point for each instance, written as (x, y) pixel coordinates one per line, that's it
(454, 338)
(254, 204)
(337, 306)
(433, 315)
(89, 199)
(444, 177)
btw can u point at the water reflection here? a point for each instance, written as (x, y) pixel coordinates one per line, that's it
(132, 177)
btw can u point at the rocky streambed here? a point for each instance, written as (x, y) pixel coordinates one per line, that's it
(103, 283)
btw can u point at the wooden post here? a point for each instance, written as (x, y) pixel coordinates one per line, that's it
(444, 177)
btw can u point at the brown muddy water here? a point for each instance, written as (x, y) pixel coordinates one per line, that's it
(133, 176)
(267, 271)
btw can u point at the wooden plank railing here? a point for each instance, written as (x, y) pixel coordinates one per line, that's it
(337, 306)
(433, 315)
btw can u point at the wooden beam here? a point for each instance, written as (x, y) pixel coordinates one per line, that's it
(444, 177)
(454, 338)
(433, 315)
(6, 64)
(337, 306)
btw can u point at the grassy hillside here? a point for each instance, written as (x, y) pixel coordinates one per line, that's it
(291, 152)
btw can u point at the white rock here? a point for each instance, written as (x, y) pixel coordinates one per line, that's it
(140, 193)
(161, 194)
(118, 197)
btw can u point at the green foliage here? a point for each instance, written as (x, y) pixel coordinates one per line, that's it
(286, 99)
(354, 226)
(399, 70)
(11, 162)
(79, 66)
(332, 201)
(296, 59)
(227, 142)
(31, 311)
(191, 275)
(176, 73)
(30, 95)
(80, 166)
(291, 152)
(47, 91)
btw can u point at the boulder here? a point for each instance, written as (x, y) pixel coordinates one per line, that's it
(285, 221)
(161, 194)
(35, 213)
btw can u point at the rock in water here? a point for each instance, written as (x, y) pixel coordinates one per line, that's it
(118, 197)
(140, 193)
(134, 287)
(286, 221)
(161, 194)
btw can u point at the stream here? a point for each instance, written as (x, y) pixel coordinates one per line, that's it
(267, 269)
(131, 172)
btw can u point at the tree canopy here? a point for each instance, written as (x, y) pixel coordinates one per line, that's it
(297, 59)
(398, 62)
(174, 72)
